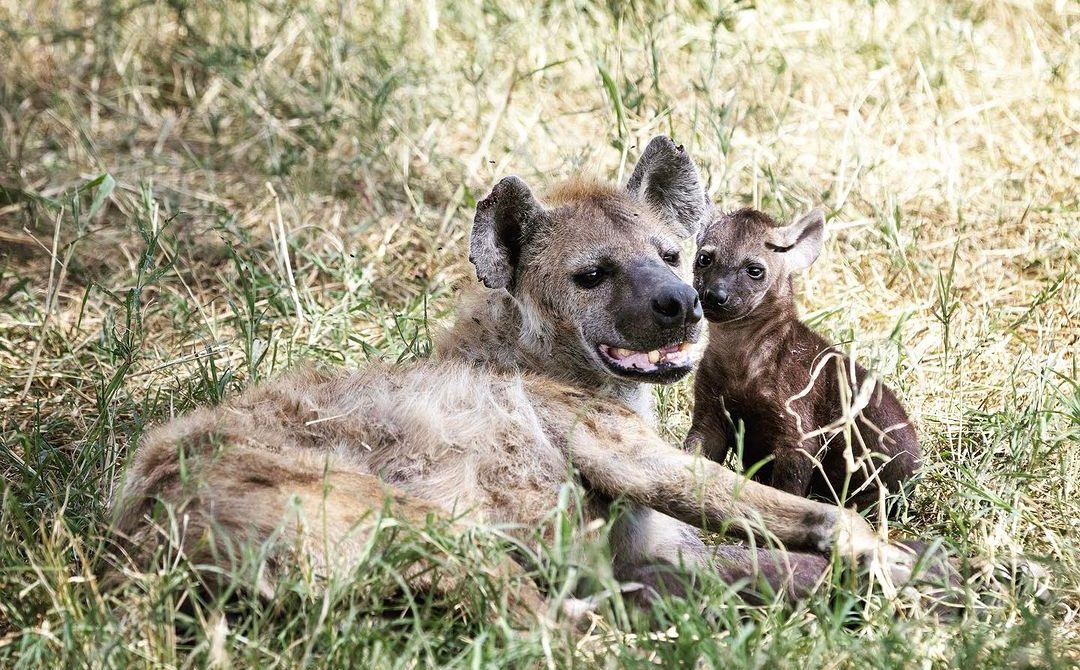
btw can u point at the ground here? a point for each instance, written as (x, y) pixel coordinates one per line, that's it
(194, 197)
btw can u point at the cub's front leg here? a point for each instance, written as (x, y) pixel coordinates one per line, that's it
(792, 470)
(709, 431)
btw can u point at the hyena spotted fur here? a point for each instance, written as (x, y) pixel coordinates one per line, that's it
(542, 380)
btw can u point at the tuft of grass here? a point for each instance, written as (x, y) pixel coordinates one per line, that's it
(195, 196)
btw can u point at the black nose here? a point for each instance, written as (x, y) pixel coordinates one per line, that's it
(676, 305)
(715, 297)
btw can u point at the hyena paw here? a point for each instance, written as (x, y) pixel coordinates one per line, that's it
(1015, 574)
(859, 545)
(892, 565)
(854, 538)
(576, 610)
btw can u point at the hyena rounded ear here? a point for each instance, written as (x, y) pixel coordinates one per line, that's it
(801, 241)
(667, 179)
(504, 221)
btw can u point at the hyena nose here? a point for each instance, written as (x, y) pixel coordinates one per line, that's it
(715, 297)
(676, 305)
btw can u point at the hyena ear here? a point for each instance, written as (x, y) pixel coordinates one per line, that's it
(503, 223)
(800, 242)
(667, 179)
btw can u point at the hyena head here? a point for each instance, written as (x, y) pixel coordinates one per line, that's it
(745, 260)
(597, 271)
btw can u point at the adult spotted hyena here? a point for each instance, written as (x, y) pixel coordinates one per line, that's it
(541, 381)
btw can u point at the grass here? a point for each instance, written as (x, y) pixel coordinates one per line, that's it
(194, 197)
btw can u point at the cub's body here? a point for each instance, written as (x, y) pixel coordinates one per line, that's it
(813, 422)
(810, 383)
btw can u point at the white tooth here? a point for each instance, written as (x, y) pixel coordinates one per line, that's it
(654, 356)
(623, 353)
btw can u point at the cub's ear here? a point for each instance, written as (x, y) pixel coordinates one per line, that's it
(667, 179)
(504, 222)
(800, 242)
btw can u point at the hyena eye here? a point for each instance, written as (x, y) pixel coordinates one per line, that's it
(670, 257)
(590, 278)
(755, 271)
(704, 260)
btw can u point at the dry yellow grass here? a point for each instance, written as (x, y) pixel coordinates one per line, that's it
(310, 168)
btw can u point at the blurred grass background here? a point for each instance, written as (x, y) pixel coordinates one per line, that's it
(194, 195)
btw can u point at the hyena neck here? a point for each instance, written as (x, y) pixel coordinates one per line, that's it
(496, 330)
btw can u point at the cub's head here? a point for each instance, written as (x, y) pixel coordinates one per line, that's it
(597, 271)
(745, 257)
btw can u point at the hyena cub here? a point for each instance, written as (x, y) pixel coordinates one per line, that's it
(793, 392)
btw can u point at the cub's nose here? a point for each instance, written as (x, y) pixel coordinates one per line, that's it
(715, 298)
(676, 305)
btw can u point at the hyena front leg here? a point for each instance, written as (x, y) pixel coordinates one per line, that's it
(299, 507)
(620, 456)
(662, 554)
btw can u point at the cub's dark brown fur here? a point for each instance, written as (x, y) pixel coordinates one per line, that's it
(800, 400)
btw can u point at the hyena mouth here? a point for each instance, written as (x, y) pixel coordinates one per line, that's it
(670, 358)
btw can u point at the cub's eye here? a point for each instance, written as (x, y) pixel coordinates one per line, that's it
(755, 271)
(590, 278)
(704, 260)
(670, 257)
